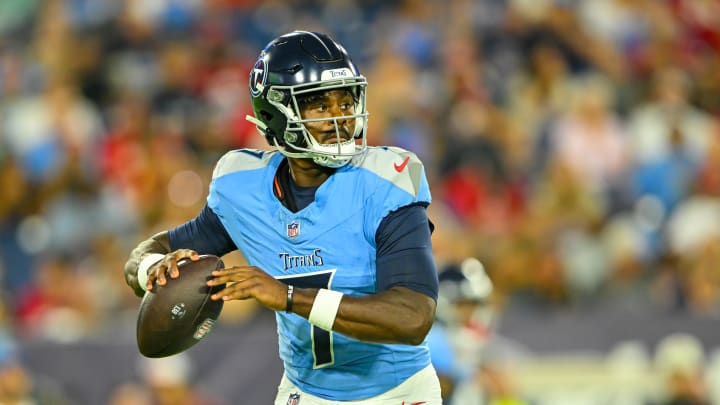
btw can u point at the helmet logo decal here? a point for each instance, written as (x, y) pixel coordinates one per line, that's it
(336, 74)
(258, 77)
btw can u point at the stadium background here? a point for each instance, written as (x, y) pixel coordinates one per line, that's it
(572, 146)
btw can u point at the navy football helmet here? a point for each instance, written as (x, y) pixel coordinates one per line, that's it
(298, 64)
(467, 282)
(464, 285)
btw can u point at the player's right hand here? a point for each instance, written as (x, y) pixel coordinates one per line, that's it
(169, 265)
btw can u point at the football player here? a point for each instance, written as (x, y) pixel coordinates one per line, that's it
(336, 234)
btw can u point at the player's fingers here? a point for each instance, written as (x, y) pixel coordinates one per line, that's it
(156, 269)
(186, 254)
(232, 277)
(234, 270)
(225, 274)
(160, 274)
(174, 270)
(150, 281)
(230, 274)
(237, 291)
(176, 257)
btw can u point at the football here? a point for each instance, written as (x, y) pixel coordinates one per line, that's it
(174, 317)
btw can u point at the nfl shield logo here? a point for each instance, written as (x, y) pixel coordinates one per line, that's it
(293, 229)
(293, 399)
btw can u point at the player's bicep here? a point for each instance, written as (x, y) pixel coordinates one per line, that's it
(204, 234)
(404, 252)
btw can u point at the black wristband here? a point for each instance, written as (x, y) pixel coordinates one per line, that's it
(289, 302)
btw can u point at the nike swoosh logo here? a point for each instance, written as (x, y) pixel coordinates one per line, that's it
(399, 168)
(415, 403)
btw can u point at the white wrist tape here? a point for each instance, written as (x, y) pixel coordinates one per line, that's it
(147, 262)
(325, 308)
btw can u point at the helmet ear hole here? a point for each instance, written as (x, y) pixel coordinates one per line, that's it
(267, 131)
(267, 116)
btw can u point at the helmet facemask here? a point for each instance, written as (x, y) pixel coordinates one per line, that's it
(298, 142)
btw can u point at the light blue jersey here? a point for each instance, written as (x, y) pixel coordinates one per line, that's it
(328, 244)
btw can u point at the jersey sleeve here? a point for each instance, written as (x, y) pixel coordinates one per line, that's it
(399, 181)
(204, 234)
(404, 252)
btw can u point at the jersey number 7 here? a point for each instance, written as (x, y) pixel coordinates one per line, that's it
(322, 340)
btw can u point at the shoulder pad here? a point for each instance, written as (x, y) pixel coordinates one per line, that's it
(396, 165)
(242, 160)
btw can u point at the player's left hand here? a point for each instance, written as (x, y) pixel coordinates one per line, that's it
(245, 282)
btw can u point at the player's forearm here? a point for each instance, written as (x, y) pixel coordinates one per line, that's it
(398, 315)
(157, 243)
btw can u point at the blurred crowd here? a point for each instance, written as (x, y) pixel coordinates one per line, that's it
(573, 146)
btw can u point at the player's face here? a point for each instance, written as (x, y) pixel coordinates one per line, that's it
(327, 106)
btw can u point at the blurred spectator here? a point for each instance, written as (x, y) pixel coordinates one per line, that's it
(58, 305)
(130, 394)
(13, 210)
(627, 251)
(667, 121)
(713, 376)
(694, 224)
(703, 280)
(540, 92)
(629, 363)
(680, 364)
(492, 384)
(632, 27)
(708, 178)
(169, 381)
(17, 385)
(590, 139)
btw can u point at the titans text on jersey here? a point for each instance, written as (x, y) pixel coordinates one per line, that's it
(290, 261)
